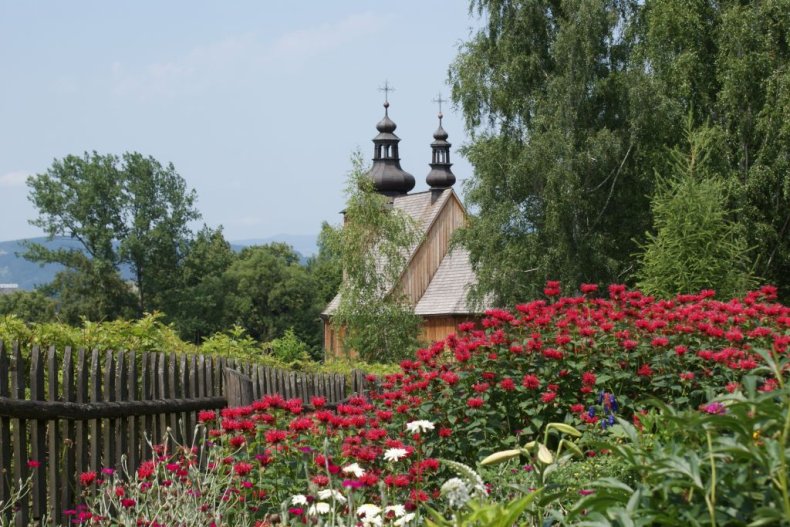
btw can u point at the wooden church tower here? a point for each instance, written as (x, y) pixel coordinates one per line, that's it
(436, 279)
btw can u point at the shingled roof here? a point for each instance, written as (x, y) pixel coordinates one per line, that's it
(447, 291)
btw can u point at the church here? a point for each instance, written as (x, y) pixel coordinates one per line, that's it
(436, 279)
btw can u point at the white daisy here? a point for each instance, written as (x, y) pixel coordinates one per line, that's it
(418, 427)
(403, 520)
(369, 510)
(394, 454)
(299, 499)
(397, 510)
(354, 469)
(318, 508)
(331, 493)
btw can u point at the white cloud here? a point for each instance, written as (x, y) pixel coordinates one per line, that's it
(15, 178)
(232, 57)
(304, 44)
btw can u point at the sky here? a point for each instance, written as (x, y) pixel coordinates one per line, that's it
(259, 105)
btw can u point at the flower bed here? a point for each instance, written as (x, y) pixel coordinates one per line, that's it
(583, 361)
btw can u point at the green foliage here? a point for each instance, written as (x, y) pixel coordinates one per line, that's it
(269, 291)
(289, 349)
(30, 306)
(696, 244)
(373, 246)
(325, 267)
(559, 184)
(234, 343)
(129, 210)
(727, 467)
(572, 106)
(198, 306)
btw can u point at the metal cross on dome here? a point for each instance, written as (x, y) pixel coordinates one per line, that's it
(439, 101)
(387, 88)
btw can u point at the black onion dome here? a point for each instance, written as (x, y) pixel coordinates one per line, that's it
(387, 175)
(440, 176)
(386, 125)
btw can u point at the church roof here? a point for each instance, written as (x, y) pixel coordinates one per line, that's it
(446, 294)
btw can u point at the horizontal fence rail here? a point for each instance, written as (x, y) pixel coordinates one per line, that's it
(65, 413)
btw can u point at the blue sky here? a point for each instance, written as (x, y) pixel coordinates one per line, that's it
(259, 105)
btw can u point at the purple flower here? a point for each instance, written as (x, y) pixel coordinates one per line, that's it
(352, 483)
(716, 408)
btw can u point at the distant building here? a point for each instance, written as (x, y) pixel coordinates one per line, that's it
(436, 279)
(8, 288)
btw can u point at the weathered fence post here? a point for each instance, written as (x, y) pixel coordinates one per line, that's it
(238, 388)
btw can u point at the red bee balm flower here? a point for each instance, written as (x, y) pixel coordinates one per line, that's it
(242, 469)
(475, 402)
(87, 478)
(531, 382)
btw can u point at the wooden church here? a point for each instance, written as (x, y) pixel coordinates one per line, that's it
(436, 279)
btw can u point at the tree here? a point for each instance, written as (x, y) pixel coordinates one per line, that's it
(269, 291)
(129, 211)
(559, 140)
(197, 306)
(696, 244)
(572, 106)
(373, 316)
(325, 267)
(28, 306)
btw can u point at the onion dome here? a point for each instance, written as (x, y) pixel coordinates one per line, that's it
(440, 176)
(387, 175)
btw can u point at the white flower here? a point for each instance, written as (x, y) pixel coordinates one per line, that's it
(404, 520)
(456, 492)
(394, 454)
(398, 510)
(369, 510)
(355, 469)
(419, 427)
(299, 499)
(331, 493)
(319, 507)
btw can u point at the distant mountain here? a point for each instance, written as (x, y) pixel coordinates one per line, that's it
(16, 270)
(305, 244)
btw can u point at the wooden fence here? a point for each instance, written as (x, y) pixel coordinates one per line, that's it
(62, 414)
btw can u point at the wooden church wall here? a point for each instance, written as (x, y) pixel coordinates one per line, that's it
(423, 266)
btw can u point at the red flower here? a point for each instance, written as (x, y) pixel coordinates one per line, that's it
(531, 382)
(242, 469)
(87, 478)
(237, 441)
(548, 397)
(645, 371)
(588, 288)
(275, 436)
(588, 378)
(480, 387)
(205, 416)
(450, 377)
(33, 463)
(128, 503)
(318, 402)
(475, 402)
(145, 470)
(577, 408)
(507, 384)
(445, 432)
